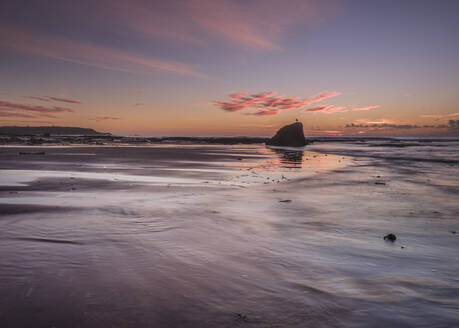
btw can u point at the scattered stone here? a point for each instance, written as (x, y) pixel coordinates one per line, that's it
(290, 135)
(453, 232)
(390, 237)
(285, 201)
(380, 183)
(242, 317)
(36, 153)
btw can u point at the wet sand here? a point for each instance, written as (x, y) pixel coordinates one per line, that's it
(226, 236)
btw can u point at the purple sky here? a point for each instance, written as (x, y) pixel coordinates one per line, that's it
(202, 67)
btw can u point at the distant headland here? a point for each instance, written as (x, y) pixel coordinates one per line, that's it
(39, 135)
(47, 130)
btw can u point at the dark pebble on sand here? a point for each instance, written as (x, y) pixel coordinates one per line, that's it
(453, 232)
(380, 183)
(390, 237)
(36, 153)
(242, 317)
(285, 201)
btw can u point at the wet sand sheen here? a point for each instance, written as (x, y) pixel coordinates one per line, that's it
(203, 237)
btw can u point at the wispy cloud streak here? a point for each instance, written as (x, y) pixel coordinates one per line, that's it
(9, 109)
(88, 54)
(255, 24)
(60, 99)
(451, 124)
(13, 114)
(438, 116)
(365, 108)
(41, 109)
(264, 113)
(327, 109)
(106, 118)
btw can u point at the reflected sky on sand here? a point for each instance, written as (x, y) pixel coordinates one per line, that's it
(297, 160)
(289, 158)
(225, 236)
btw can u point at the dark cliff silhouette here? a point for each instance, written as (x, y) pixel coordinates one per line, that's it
(42, 130)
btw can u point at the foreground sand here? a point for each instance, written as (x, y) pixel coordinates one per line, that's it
(223, 236)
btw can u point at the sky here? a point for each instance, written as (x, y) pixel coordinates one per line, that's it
(240, 67)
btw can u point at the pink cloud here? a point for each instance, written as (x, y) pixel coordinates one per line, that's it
(324, 95)
(380, 121)
(239, 95)
(269, 102)
(316, 109)
(365, 108)
(88, 54)
(327, 109)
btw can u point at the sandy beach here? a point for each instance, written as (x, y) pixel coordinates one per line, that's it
(183, 235)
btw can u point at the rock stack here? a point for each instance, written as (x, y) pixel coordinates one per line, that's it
(290, 135)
